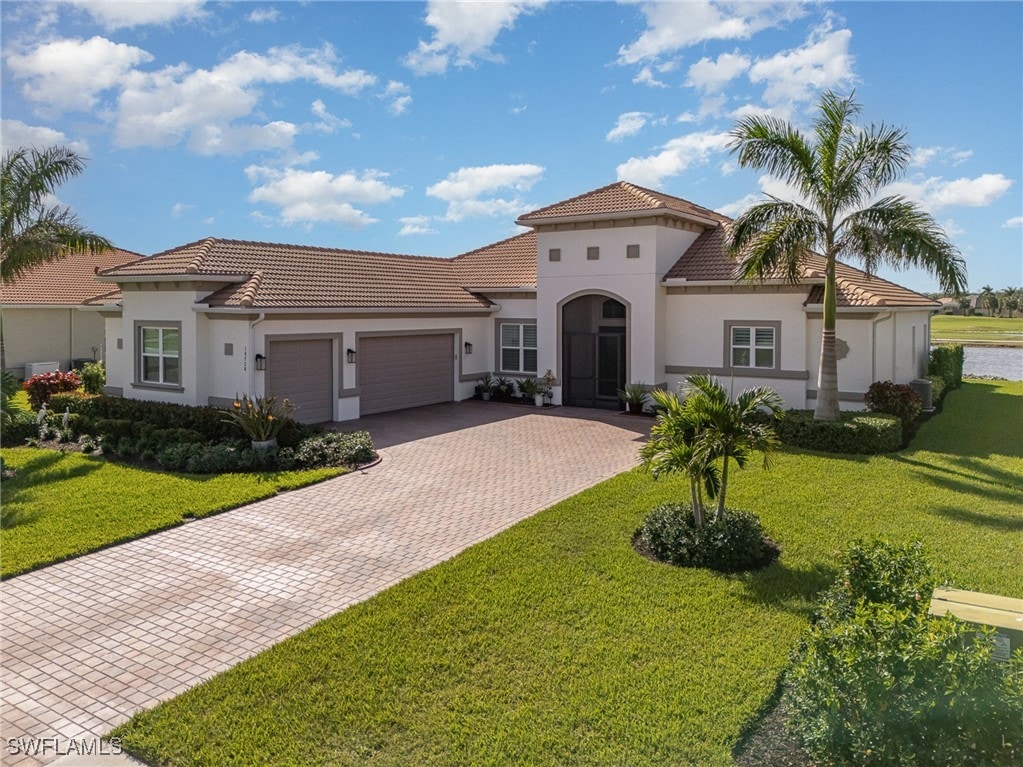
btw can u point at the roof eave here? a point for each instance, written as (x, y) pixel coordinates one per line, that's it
(872, 308)
(500, 288)
(444, 310)
(617, 216)
(670, 281)
(167, 277)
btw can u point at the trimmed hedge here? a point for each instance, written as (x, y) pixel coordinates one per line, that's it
(947, 362)
(861, 433)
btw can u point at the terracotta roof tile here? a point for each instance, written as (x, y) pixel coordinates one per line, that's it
(68, 281)
(620, 197)
(707, 260)
(509, 263)
(277, 276)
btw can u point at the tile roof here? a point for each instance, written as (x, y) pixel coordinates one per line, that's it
(68, 281)
(277, 276)
(618, 198)
(509, 263)
(707, 259)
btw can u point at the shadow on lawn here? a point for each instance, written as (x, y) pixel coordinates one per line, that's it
(793, 589)
(38, 472)
(997, 485)
(1000, 523)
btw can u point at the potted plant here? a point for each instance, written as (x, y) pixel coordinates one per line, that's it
(503, 389)
(485, 387)
(547, 386)
(528, 390)
(634, 395)
(261, 419)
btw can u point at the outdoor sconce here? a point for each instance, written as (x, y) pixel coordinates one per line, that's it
(351, 355)
(260, 362)
(468, 348)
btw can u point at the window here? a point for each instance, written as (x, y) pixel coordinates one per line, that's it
(632, 251)
(554, 254)
(612, 310)
(752, 346)
(592, 253)
(160, 355)
(518, 348)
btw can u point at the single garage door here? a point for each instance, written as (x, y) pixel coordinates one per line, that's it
(396, 372)
(303, 372)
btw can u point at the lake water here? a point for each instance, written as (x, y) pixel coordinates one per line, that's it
(999, 361)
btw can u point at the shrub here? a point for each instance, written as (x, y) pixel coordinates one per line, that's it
(733, 543)
(22, 426)
(260, 418)
(895, 687)
(43, 386)
(335, 449)
(859, 433)
(94, 377)
(113, 430)
(947, 361)
(894, 399)
(939, 388)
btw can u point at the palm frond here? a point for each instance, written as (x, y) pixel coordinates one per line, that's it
(773, 236)
(772, 145)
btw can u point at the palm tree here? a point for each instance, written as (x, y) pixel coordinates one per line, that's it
(837, 172)
(1010, 300)
(670, 449)
(731, 431)
(33, 231)
(701, 425)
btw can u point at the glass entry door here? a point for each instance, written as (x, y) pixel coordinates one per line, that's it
(596, 368)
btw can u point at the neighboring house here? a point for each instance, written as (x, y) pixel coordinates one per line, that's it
(51, 314)
(622, 284)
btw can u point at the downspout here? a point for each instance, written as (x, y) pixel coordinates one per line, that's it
(249, 355)
(873, 345)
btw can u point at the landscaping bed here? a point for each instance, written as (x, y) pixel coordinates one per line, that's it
(556, 643)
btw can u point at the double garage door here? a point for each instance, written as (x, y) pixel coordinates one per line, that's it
(395, 372)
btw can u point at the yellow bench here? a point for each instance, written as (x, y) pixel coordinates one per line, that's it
(1005, 614)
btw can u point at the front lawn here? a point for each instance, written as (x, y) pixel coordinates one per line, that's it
(61, 505)
(1003, 331)
(554, 643)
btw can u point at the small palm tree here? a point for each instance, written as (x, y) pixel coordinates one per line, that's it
(989, 300)
(671, 449)
(731, 431)
(32, 231)
(837, 171)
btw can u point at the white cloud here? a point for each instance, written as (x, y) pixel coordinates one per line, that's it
(400, 96)
(327, 122)
(952, 229)
(925, 155)
(161, 108)
(710, 76)
(71, 73)
(674, 25)
(646, 76)
(464, 32)
(469, 192)
(415, 225)
(673, 158)
(264, 15)
(1013, 223)
(799, 74)
(935, 193)
(15, 133)
(178, 208)
(769, 186)
(629, 124)
(119, 14)
(318, 196)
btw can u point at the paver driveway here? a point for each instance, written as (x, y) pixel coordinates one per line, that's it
(88, 642)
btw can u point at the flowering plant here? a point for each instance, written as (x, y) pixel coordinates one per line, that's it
(41, 387)
(261, 418)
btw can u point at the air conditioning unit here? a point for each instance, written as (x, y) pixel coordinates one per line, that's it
(35, 368)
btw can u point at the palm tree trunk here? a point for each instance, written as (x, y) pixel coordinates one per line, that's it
(721, 492)
(827, 379)
(694, 491)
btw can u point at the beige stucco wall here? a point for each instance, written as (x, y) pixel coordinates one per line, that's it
(58, 334)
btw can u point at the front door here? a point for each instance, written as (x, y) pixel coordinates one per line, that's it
(595, 365)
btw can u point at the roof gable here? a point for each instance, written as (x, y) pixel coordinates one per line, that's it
(68, 281)
(619, 198)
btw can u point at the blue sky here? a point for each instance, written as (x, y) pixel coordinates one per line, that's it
(427, 128)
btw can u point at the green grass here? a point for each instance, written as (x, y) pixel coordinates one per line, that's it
(61, 505)
(554, 643)
(988, 330)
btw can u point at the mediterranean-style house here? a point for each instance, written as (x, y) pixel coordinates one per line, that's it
(51, 313)
(621, 284)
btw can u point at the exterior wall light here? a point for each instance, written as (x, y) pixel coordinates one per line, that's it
(260, 362)
(351, 356)
(468, 348)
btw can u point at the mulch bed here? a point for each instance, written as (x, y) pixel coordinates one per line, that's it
(770, 744)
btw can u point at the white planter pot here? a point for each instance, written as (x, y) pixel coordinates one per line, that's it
(538, 399)
(265, 444)
(486, 396)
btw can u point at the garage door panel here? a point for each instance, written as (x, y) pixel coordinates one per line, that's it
(397, 372)
(303, 372)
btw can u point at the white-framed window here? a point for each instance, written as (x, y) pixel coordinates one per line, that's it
(753, 346)
(518, 347)
(159, 354)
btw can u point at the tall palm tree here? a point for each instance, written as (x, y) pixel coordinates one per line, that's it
(837, 172)
(731, 431)
(32, 230)
(989, 300)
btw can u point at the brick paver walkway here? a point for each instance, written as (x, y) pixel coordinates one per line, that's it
(87, 643)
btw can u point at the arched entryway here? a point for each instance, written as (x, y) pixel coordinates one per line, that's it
(594, 351)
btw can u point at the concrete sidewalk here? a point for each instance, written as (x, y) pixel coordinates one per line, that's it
(89, 642)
